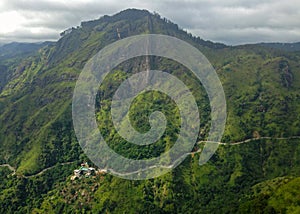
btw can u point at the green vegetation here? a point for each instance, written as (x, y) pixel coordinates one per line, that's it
(262, 90)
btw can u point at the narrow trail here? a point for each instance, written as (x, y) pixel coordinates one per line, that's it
(13, 169)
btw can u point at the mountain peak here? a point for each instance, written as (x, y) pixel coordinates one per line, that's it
(132, 12)
(128, 15)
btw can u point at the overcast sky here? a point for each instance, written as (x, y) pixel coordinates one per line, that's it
(227, 21)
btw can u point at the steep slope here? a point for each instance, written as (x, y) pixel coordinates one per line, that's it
(262, 90)
(40, 95)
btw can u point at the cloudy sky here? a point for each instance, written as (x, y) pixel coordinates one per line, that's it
(227, 21)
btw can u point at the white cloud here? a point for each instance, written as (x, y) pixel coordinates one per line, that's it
(228, 21)
(10, 21)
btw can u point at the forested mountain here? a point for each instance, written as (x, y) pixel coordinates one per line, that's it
(20, 50)
(256, 168)
(12, 54)
(293, 47)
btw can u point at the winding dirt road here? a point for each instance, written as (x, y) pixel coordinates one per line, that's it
(13, 169)
(9, 167)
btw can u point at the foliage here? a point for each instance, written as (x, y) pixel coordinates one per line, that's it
(262, 90)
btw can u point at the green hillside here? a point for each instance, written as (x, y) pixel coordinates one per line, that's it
(256, 168)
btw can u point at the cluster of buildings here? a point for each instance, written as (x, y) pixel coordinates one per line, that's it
(86, 171)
